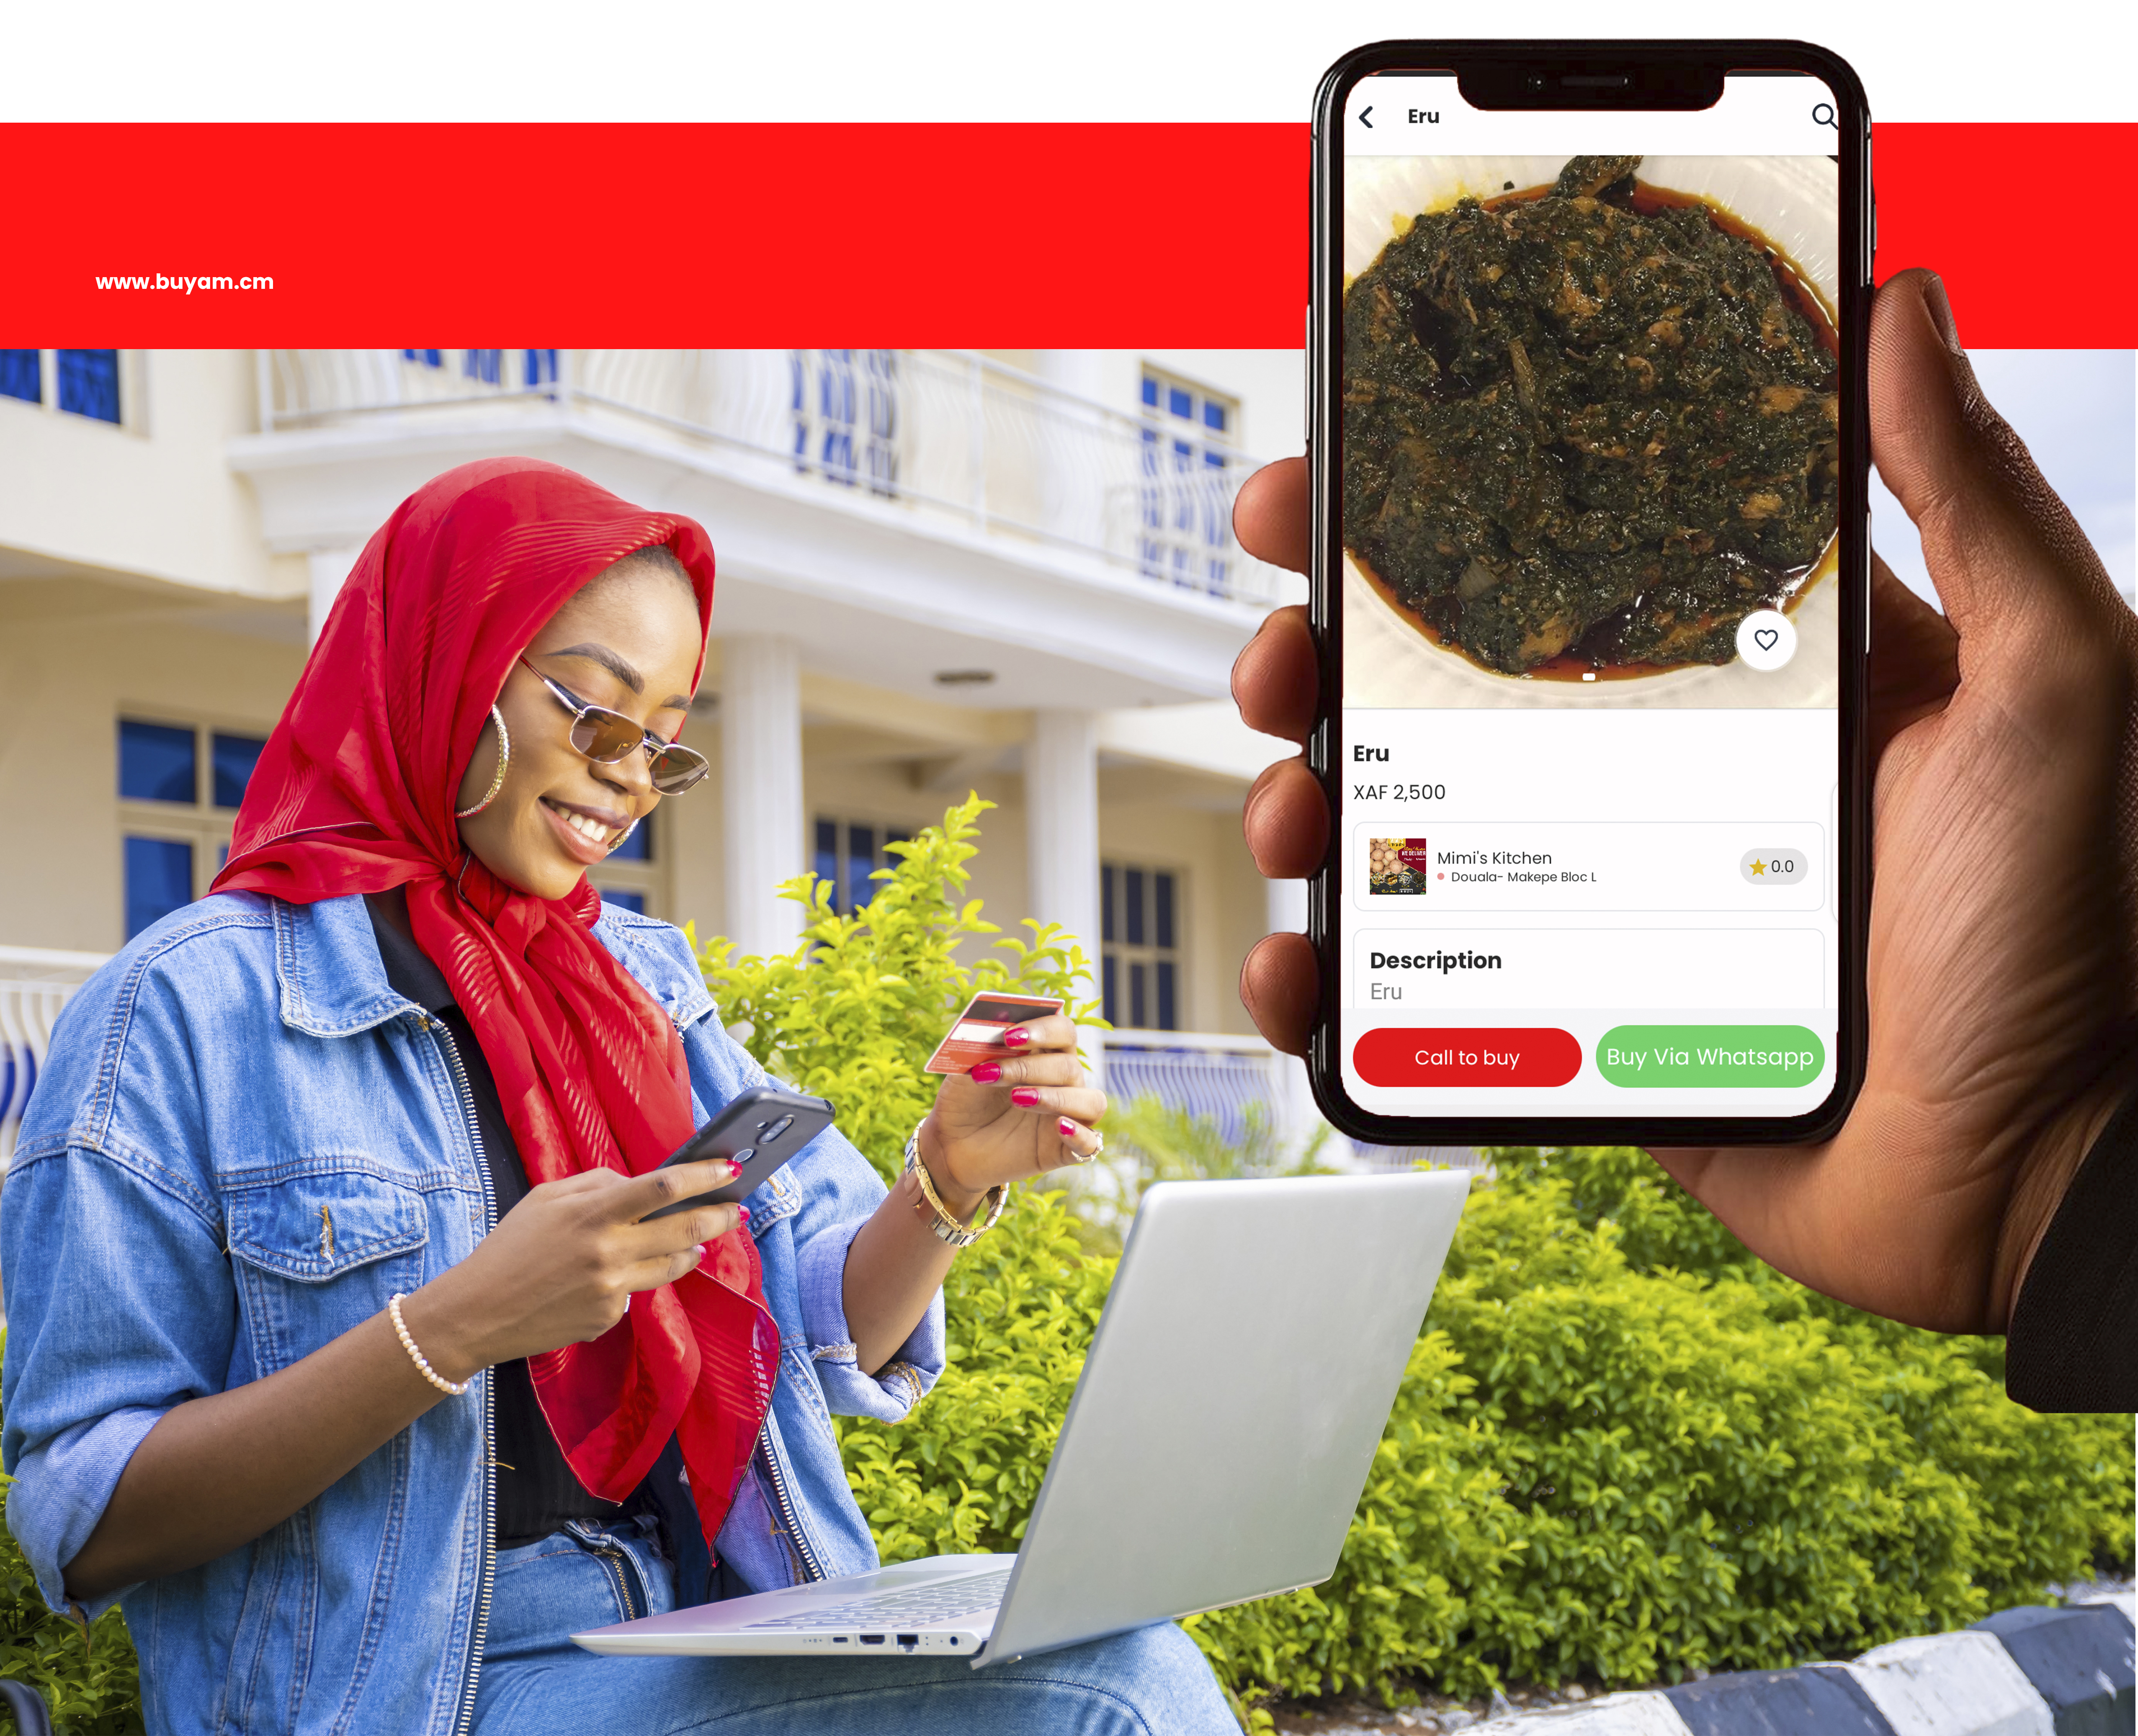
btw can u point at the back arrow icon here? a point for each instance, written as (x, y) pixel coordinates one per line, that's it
(1363, 113)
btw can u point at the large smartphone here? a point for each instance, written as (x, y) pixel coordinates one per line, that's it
(760, 1129)
(1591, 588)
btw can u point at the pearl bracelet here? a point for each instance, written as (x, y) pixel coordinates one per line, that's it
(454, 1387)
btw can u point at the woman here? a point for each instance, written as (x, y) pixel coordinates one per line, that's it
(339, 1346)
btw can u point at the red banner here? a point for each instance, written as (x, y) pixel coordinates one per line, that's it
(961, 235)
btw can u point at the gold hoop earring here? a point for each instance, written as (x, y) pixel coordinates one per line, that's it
(621, 835)
(503, 759)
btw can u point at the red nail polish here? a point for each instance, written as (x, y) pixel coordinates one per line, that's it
(1068, 1128)
(986, 1073)
(1025, 1098)
(1016, 1037)
(744, 1210)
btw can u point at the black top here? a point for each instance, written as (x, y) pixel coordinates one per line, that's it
(537, 1490)
(2073, 1343)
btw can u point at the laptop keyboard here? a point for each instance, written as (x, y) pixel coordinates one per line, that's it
(906, 1609)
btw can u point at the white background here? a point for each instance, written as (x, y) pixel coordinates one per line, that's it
(1104, 60)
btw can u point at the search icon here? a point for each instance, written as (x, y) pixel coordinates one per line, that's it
(1822, 115)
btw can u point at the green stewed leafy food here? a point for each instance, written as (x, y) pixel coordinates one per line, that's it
(1597, 424)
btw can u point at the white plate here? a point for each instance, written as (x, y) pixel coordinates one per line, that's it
(1794, 201)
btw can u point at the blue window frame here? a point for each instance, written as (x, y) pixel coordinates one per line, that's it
(88, 382)
(160, 880)
(428, 357)
(230, 761)
(542, 368)
(1139, 938)
(486, 365)
(1184, 494)
(632, 901)
(845, 854)
(158, 763)
(22, 375)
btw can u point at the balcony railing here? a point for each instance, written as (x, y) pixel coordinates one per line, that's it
(1202, 1073)
(947, 433)
(35, 983)
(1220, 1076)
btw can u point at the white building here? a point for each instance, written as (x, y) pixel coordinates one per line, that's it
(1009, 571)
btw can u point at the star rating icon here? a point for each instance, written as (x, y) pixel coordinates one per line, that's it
(1758, 867)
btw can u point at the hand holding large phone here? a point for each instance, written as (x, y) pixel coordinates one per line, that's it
(2005, 745)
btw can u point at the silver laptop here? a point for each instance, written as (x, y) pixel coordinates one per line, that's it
(1215, 1448)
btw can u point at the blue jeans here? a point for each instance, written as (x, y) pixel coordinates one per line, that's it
(1152, 1682)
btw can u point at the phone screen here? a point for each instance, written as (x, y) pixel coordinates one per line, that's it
(1592, 623)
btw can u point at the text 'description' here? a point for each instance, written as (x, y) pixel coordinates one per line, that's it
(1467, 1055)
(1587, 865)
(1420, 970)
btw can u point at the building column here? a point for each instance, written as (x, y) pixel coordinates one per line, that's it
(330, 568)
(1295, 1110)
(1062, 824)
(761, 822)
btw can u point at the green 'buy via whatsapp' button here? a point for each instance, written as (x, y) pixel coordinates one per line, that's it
(1692, 1057)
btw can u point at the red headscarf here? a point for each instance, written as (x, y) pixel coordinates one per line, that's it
(355, 792)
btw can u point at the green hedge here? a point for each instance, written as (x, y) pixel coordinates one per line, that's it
(1595, 1468)
(1624, 1449)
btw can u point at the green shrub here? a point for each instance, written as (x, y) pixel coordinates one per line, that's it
(1623, 1448)
(90, 1679)
(855, 1010)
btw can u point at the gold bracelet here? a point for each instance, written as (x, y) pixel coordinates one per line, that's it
(454, 1387)
(946, 1227)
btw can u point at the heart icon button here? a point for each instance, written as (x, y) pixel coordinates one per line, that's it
(1766, 640)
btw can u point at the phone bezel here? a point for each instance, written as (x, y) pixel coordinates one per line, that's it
(1325, 746)
(706, 1142)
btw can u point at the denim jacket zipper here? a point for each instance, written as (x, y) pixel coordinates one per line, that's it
(811, 1567)
(632, 1596)
(465, 1722)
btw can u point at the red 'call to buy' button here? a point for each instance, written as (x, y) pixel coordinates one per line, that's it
(1538, 1055)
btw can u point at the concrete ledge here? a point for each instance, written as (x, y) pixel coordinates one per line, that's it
(1823, 1697)
(2080, 1659)
(2032, 1671)
(1952, 1682)
(1646, 1714)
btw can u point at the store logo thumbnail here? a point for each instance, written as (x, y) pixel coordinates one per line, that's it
(1398, 867)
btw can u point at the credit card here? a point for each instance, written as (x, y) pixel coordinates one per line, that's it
(977, 1034)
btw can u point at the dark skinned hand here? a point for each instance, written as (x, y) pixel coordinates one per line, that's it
(2004, 747)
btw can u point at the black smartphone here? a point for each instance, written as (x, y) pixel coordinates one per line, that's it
(760, 1129)
(1591, 588)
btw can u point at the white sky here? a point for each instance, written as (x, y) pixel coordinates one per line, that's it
(2077, 411)
(933, 59)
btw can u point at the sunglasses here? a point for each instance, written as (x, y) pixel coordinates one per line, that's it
(605, 736)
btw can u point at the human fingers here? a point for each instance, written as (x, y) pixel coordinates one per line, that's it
(1914, 658)
(1079, 1102)
(671, 1184)
(1285, 821)
(1281, 987)
(1054, 1034)
(1272, 518)
(1052, 1068)
(2003, 549)
(1073, 1142)
(677, 1245)
(1277, 676)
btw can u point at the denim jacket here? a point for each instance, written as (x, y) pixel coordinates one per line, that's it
(241, 1067)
